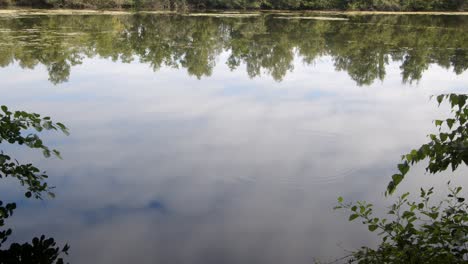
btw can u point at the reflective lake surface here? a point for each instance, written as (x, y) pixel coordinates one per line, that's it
(214, 139)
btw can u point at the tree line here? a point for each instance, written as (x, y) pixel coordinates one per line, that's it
(363, 47)
(383, 5)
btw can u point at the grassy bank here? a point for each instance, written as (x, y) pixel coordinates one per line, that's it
(227, 13)
(342, 5)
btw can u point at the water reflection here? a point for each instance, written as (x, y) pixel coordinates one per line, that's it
(362, 46)
(163, 168)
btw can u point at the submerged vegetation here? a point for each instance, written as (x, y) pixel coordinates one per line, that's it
(14, 128)
(362, 46)
(387, 5)
(423, 231)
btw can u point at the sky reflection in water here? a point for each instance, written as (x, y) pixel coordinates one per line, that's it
(210, 163)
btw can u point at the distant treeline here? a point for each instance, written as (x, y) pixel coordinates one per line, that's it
(382, 5)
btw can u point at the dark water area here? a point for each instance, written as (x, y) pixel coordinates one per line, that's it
(204, 139)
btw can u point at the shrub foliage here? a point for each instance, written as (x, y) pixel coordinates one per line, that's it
(423, 231)
(17, 128)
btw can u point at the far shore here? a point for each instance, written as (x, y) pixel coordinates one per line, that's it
(232, 13)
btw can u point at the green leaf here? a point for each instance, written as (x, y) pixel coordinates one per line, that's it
(390, 188)
(405, 195)
(397, 178)
(440, 98)
(352, 217)
(461, 101)
(434, 215)
(403, 168)
(454, 99)
(443, 137)
(372, 228)
(450, 122)
(340, 199)
(57, 153)
(46, 153)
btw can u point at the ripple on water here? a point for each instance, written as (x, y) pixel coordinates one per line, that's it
(306, 170)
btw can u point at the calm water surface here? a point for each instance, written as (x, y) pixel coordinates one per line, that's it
(222, 139)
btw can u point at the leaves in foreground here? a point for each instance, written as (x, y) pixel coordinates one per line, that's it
(422, 231)
(21, 128)
(40, 251)
(417, 231)
(447, 149)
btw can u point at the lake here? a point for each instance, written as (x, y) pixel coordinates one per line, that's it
(223, 138)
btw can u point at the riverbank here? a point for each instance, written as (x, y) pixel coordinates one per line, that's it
(256, 5)
(232, 13)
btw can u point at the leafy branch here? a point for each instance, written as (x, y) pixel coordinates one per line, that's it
(447, 149)
(418, 231)
(421, 231)
(18, 128)
(12, 127)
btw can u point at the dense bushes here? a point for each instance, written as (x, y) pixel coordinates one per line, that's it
(384, 5)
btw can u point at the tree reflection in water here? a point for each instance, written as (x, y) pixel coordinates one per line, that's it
(363, 46)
